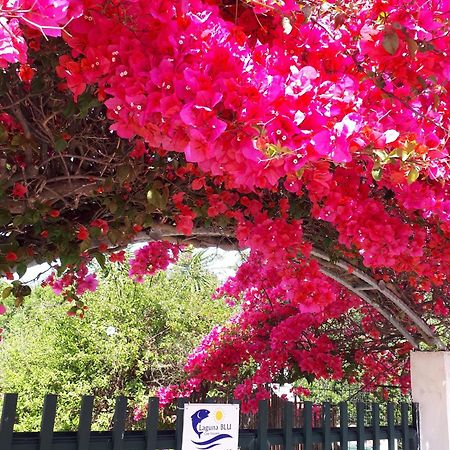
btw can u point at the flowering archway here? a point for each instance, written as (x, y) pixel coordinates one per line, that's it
(313, 133)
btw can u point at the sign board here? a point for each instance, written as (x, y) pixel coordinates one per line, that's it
(210, 425)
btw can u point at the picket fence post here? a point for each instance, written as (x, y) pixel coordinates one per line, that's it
(299, 423)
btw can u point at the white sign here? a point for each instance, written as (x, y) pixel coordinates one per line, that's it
(210, 425)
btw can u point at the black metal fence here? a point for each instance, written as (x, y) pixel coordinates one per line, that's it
(302, 426)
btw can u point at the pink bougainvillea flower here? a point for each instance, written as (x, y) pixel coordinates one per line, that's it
(152, 257)
(88, 283)
(12, 44)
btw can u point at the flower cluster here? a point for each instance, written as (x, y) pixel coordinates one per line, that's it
(272, 101)
(72, 284)
(152, 257)
(46, 16)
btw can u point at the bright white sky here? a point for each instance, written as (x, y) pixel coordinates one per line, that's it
(220, 262)
(224, 263)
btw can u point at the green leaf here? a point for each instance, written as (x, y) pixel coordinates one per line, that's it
(405, 154)
(377, 173)
(21, 268)
(18, 140)
(112, 206)
(413, 175)
(3, 134)
(86, 102)
(68, 259)
(78, 353)
(412, 46)
(391, 43)
(382, 155)
(5, 217)
(150, 196)
(18, 220)
(60, 145)
(7, 292)
(31, 217)
(123, 172)
(95, 232)
(165, 193)
(100, 257)
(223, 221)
(84, 245)
(108, 184)
(70, 109)
(148, 221)
(114, 236)
(155, 198)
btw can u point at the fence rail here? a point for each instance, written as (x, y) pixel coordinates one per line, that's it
(317, 430)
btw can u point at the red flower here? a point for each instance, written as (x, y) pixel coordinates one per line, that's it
(11, 256)
(101, 94)
(198, 183)
(34, 44)
(184, 224)
(61, 87)
(82, 233)
(54, 213)
(26, 73)
(138, 150)
(101, 224)
(19, 190)
(137, 228)
(103, 247)
(117, 257)
(44, 234)
(20, 161)
(9, 276)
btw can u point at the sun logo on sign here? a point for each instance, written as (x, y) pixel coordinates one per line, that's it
(219, 415)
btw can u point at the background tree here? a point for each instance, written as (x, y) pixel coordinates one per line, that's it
(133, 340)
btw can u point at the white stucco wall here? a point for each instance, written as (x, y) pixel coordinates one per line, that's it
(430, 378)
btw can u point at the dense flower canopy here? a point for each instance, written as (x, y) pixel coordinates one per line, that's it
(314, 133)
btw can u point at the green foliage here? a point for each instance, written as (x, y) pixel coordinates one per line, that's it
(133, 339)
(336, 391)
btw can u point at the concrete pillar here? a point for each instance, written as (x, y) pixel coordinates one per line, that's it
(430, 379)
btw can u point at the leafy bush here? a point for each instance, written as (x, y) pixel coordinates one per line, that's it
(133, 339)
